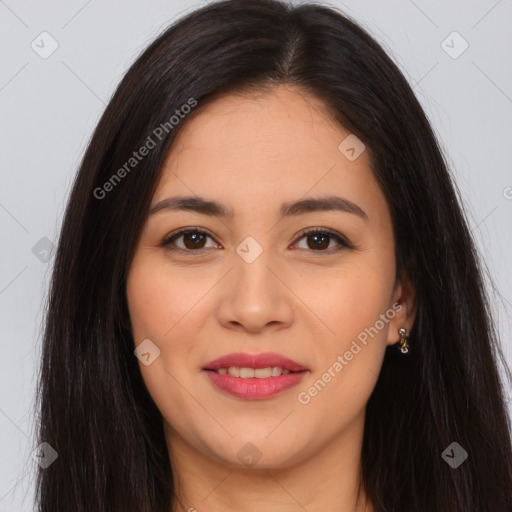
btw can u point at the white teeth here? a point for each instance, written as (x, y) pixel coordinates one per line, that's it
(276, 371)
(234, 371)
(264, 373)
(251, 373)
(247, 373)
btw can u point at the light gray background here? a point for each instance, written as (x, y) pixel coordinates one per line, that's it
(49, 108)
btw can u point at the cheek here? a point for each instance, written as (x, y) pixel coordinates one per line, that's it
(161, 307)
(159, 300)
(169, 308)
(350, 298)
(353, 342)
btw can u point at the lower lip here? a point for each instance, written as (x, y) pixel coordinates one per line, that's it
(254, 389)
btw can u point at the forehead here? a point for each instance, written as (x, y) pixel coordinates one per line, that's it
(282, 123)
(278, 144)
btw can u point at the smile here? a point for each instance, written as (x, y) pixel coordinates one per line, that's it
(254, 388)
(250, 373)
(254, 377)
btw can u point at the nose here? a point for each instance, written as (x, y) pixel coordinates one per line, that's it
(256, 297)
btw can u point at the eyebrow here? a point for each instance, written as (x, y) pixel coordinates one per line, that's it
(215, 209)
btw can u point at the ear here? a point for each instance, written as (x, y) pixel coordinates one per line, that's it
(404, 296)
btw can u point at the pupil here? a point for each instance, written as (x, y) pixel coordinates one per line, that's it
(196, 238)
(317, 243)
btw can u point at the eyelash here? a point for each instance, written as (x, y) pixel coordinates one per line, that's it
(344, 243)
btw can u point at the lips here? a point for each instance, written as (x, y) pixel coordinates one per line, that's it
(254, 377)
(264, 360)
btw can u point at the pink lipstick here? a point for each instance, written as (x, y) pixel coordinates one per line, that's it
(254, 377)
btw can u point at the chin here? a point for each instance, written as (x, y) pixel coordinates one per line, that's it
(260, 453)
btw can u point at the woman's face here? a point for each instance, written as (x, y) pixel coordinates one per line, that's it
(255, 284)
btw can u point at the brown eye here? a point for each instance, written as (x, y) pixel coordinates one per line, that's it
(319, 240)
(189, 240)
(193, 240)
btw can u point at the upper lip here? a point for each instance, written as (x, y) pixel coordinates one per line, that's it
(263, 360)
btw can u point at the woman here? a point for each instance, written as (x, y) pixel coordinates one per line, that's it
(265, 292)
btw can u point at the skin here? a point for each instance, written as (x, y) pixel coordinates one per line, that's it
(252, 152)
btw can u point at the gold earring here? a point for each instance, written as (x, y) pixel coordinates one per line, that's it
(404, 345)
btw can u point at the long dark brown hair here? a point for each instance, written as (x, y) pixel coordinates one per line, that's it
(93, 406)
